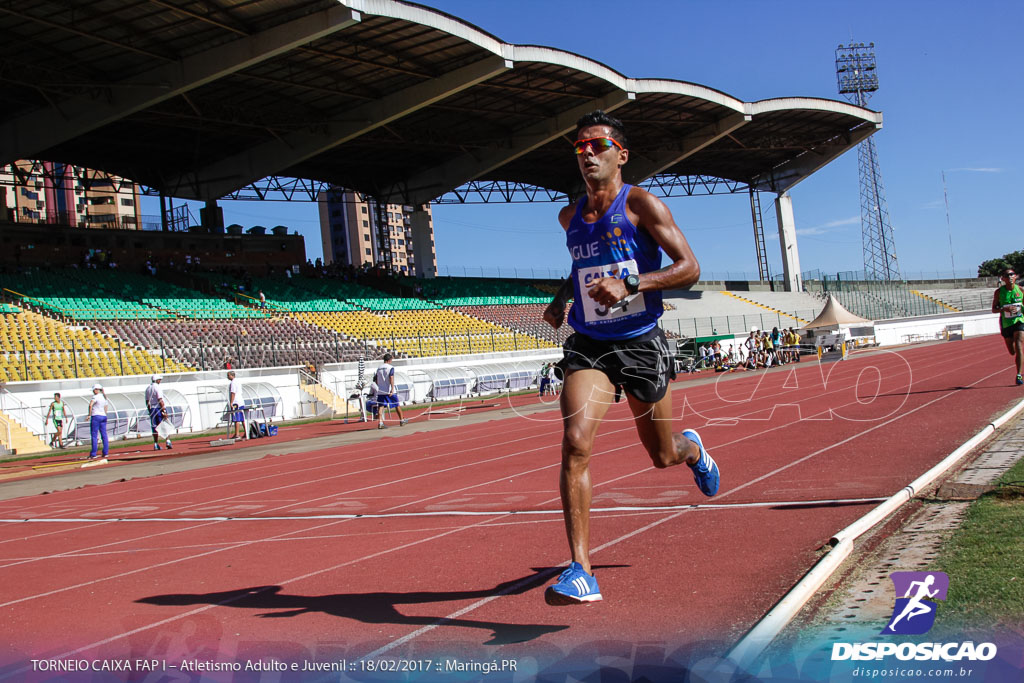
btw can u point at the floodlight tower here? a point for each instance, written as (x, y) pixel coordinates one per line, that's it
(857, 78)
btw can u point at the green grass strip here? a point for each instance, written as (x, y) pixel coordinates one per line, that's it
(985, 559)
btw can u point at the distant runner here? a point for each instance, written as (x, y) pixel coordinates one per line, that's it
(1008, 302)
(56, 410)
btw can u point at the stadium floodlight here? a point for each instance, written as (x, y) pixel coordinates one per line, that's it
(856, 71)
(857, 77)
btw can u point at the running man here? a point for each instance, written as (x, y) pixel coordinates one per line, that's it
(1007, 302)
(615, 237)
(56, 410)
(157, 410)
(915, 607)
(387, 393)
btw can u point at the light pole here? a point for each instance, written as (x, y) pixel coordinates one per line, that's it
(949, 227)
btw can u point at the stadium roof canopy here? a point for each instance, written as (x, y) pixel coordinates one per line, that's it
(392, 99)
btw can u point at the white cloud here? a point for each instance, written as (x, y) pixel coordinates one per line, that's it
(854, 220)
(977, 170)
(822, 229)
(811, 231)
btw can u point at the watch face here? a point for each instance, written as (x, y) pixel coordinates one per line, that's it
(632, 283)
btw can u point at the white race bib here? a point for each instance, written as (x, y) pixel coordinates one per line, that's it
(1011, 310)
(595, 312)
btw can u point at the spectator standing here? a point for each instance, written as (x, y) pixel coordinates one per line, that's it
(236, 405)
(387, 396)
(544, 380)
(794, 346)
(157, 407)
(777, 346)
(98, 421)
(766, 349)
(552, 386)
(751, 344)
(703, 356)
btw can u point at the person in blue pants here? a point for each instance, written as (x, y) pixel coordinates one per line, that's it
(98, 420)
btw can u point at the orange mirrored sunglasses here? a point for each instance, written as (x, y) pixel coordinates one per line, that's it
(597, 144)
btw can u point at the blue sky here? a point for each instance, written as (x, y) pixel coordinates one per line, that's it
(949, 75)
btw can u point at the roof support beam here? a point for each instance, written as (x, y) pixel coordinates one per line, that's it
(642, 167)
(38, 131)
(784, 176)
(427, 185)
(227, 175)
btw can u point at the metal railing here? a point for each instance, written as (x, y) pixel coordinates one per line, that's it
(5, 431)
(310, 398)
(23, 413)
(880, 299)
(736, 324)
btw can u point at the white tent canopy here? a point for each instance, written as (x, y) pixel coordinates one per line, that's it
(834, 316)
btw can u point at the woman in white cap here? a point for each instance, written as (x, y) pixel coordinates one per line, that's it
(98, 420)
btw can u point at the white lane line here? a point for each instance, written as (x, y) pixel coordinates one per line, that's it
(464, 513)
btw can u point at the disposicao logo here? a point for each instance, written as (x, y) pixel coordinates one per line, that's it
(914, 613)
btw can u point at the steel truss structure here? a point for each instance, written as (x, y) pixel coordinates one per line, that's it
(857, 80)
(277, 188)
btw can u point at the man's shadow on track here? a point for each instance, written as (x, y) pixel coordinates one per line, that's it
(375, 608)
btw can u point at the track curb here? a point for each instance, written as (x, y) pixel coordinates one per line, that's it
(744, 654)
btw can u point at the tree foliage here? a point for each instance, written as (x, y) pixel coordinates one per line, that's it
(1015, 260)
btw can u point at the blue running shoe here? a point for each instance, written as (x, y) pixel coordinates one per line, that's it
(1020, 380)
(573, 587)
(705, 471)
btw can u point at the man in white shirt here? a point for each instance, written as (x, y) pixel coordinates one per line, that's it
(235, 403)
(157, 410)
(750, 343)
(552, 386)
(387, 396)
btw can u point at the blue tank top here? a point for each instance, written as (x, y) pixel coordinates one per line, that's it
(611, 247)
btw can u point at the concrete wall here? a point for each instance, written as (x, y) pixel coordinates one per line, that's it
(200, 398)
(893, 332)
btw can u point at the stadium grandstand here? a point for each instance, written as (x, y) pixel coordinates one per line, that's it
(164, 294)
(305, 321)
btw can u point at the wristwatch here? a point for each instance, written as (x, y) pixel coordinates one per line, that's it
(632, 283)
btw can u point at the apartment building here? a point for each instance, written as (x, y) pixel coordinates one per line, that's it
(63, 194)
(348, 231)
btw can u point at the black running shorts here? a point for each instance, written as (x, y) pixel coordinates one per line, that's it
(1010, 329)
(643, 366)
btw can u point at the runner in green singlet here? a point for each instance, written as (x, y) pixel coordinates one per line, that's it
(57, 411)
(1008, 302)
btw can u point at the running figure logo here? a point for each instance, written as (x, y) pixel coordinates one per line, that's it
(912, 615)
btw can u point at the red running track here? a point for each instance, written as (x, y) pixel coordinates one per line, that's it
(438, 543)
